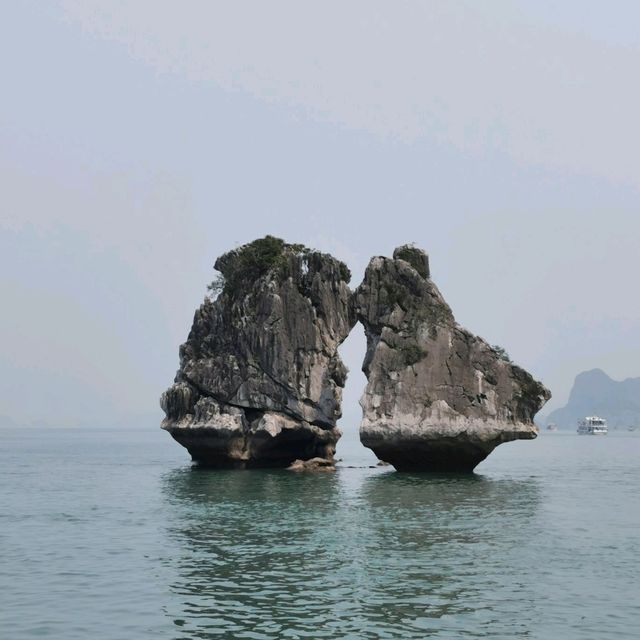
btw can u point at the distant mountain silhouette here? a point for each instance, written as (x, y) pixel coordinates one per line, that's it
(595, 393)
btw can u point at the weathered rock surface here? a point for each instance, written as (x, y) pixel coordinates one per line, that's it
(438, 398)
(314, 464)
(260, 380)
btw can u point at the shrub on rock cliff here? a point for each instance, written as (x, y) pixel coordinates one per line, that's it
(501, 352)
(415, 257)
(248, 263)
(251, 261)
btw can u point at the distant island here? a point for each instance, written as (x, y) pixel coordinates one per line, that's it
(595, 393)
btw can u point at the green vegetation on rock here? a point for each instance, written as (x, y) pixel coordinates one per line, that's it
(412, 354)
(345, 272)
(415, 257)
(501, 353)
(240, 268)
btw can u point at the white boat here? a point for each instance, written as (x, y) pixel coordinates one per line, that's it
(593, 426)
(552, 427)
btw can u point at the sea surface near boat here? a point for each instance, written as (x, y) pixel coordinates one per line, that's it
(112, 534)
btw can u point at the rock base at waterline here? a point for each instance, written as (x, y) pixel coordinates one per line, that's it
(454, 454)
(269, 440)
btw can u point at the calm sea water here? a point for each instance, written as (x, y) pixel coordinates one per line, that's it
(113, 535)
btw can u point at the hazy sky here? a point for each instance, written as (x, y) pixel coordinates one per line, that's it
(140, 140)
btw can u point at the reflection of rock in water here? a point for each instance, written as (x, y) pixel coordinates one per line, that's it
(191, 486)
(360, 553)
(254, 549)
(451, 544)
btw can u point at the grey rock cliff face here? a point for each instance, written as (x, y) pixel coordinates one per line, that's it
(438, 398)
(260, 380)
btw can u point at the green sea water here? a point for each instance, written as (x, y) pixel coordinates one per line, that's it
(113, 535)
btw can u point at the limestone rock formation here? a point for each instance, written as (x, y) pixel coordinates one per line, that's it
(260, 380)
(438, 398)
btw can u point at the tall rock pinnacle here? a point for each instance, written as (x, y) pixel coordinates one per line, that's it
(438, 398)
(260, 380)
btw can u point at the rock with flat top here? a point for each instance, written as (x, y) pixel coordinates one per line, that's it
(438, 398)
(260, 380)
